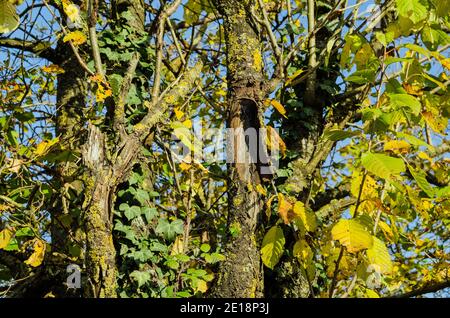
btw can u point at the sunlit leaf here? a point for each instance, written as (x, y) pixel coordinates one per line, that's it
(352, 235)
(272, 246)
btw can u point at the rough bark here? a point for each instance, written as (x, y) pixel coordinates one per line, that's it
(103, 176)
(303, 135)
(241, 275)
(70, 102)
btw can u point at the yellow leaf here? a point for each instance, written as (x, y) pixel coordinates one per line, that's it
(38, 255)
(103, 88)
(412, 89)
(76, 37)
(438, 124)
(369, 188)
(352, 235)
(72, 11)
(260, 189)
(378, 255)
(371, 294)
(272, 246)
(53, 68)
(386, 230)
(178, 246)
(269, 206)
(186, 136)
(423, 155)
(277, 105)
(293, 77)
(397, 146)
(5, 237)
(184, 166)
(43, 147)
(303, 252)
(283, 208)
(187, 123)
(274, 141)
(201, 286)
(305, 216)
(178, 113)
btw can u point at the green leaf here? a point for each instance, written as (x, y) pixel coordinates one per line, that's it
(140, 277)
(115, 80)
(335, 134)
(303, 253)
(422, 182)
(352, 235)
(9, 20)
(381, 165)
(170, 230)
(173, 264)
(214, 258)
(205, 248)
(5, 237)
(149, 213)
(272, 246)
(433, 37)
(378, 255)
(402, 100)
(443, 192)
(414, 140)
(142, 196)
(415, 10)
(362, 77)
(132, 212)
(442, 7)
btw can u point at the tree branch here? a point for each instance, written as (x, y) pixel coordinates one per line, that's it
(427, 288)
(41, 49)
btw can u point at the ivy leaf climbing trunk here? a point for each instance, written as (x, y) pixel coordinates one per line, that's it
(241, 273)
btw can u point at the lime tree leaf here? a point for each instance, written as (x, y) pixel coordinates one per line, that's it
(441, 7)
(186, 136)
(379, 256)
(303, 253)
(279, 107)
(414, 140)
(443, 192)
(352, 235)
(5, 237)
(38, 254)
(432, 38)
(335, 134)
(381, 165)
(272, 246)
(141, 277)
(43, 147)
(304, 217)
(405, 100)
(169, 229)
(415, 10)
(9, 20)
(422, 182)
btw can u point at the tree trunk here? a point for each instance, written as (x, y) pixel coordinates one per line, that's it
(240, 275)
